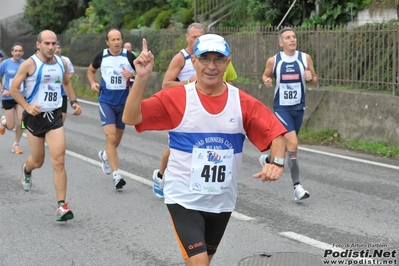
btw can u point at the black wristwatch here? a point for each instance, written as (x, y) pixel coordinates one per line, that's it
(72, 102)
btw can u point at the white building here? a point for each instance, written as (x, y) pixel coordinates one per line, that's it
(9, 8)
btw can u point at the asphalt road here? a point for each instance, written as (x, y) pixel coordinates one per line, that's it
(353, 205)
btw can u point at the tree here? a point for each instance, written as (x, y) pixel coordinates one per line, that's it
(51, 15)
(263, 12)
(112, 12)
(336, 12)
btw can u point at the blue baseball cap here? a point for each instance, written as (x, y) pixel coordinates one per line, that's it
(59, 44)
(211, 43)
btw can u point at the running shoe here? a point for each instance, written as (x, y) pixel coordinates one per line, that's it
(300, 193)
(64, 213)
(15, 149)
(119, 182)
(2, 125)
(105, 166)
(25, 180)
(157, 188)
(263, 159)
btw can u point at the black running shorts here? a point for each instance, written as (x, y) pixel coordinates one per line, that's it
(40, 124)
(197, 231)
(9, 104)
(64, 106)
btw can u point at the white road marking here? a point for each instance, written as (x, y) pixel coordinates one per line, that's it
(87, 102)
(241, 217)
(350, 158)
(310, 241)
(321, 245)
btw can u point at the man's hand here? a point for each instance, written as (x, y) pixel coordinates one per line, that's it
(308, 75)
(270, 172)
(34, 109)
(5, 93)
(95, 87)
(144, 63)
(126, 73)
(77, 110)
(268, 82)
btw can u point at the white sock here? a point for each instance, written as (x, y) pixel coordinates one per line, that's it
(115, 173)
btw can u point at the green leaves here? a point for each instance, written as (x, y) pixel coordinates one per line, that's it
(52, 15)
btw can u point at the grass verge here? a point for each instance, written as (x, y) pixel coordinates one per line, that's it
(328, 137)
(82, 90)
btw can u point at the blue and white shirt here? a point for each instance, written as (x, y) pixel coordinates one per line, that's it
(289, 71)
(8, 70)
(114, 88)
(43, 87)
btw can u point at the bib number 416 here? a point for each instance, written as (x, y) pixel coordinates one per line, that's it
(217, 173)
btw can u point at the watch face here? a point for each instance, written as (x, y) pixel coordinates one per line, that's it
(278, 160)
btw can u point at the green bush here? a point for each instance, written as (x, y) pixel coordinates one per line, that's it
(130, 21)
(186, 16)
(150, 16)
(163, 19)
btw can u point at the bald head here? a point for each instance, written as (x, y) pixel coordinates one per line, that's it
(128, 46)
(46, 44)
(114, 40)
(45, 34)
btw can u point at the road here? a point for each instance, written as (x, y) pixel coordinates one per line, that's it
(353, 204)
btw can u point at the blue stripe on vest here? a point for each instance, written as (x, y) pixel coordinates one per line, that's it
(185, 142)
(37, 83)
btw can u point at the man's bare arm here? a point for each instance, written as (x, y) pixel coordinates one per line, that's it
(268, 74)
(174, 68)
(91, 74)
(144, 64)
(310, 68)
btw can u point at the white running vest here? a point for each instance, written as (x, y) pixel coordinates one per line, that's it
(289, 71)
(205, 155)
(111, 70)
(44, 85)
(188, 70)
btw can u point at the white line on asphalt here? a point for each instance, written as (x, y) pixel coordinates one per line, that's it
(87, 102)
(350, 158)
(241, 217)
(321, 245)
(310, 241)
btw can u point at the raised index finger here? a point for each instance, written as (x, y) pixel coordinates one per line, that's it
(145, 48)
